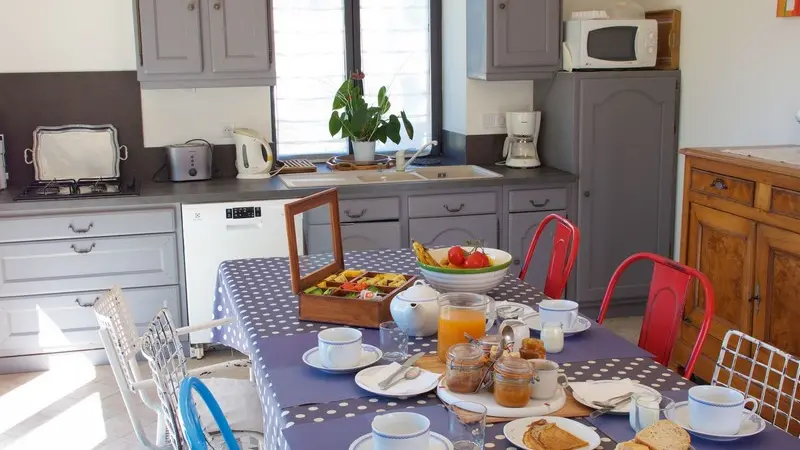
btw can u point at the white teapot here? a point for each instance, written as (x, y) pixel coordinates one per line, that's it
(416, 310)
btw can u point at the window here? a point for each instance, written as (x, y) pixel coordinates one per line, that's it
(319, 42)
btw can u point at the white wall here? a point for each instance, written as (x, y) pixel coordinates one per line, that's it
(495, 97)
(98, 35)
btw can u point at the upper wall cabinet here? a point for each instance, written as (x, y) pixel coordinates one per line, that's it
(204, 43)
(513, 39)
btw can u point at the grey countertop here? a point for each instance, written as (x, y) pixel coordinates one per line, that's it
(227, 190)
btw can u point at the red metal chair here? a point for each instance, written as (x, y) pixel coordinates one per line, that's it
(662, 318)
(562, 258)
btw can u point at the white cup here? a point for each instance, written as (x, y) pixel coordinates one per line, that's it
(340, 348)
(717, 409)
(545, 380)
(401, 431)
(564, 312)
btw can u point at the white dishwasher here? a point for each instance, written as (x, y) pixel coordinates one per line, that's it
(217, 232)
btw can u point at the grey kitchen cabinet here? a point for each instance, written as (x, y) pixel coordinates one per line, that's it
(618, 132)
(204, 43)
(66, 322)
(469, 204)
(521, 228)
(513, 39)
(73, 265)
(355, 237)
(447, 231)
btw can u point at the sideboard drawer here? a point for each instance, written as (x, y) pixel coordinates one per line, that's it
(452, 205)
(75, 265)
(537, 200)
(55, 323)
(785, 202)
(723, 186)
(70, 226)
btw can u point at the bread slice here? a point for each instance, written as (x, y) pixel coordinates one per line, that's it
(542, 435)
(664, 435)
(631, 445)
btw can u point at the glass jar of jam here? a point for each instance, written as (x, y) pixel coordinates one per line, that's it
(466, 366)
(512, 382)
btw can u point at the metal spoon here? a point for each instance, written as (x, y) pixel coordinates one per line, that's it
(411, 373)
(506, 342)
(508, 337)
(611, 407)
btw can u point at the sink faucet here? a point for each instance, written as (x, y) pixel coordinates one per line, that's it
(400, 163)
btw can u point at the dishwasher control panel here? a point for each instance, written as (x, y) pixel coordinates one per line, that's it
(243, 213)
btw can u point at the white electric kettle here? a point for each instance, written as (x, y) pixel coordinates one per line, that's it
(253, 154)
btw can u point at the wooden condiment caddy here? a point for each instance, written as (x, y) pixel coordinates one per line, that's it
(333, 308)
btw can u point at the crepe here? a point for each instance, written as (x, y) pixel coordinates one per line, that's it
(542, 435)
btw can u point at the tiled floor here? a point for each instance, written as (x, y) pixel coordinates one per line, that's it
(77, 406)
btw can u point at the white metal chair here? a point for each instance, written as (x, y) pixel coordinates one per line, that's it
(122, 344)
(764, 372)
(238, 399)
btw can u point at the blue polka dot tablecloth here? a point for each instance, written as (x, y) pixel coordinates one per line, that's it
(257, 293)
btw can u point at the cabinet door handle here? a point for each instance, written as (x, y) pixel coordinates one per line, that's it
(86, 305)
(687, 320)
(587, 194)
(720, 184)
(81, 230)
(454, 210)
(191, 6)
(502, 6)
(355, 215)
(516, 262)
(756, 299)
(218, 6)
(82, 251)
(539, 205)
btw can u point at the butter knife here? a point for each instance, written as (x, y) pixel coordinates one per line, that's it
(409, 362)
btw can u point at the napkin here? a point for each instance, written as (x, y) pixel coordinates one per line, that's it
(425, 380)
(601, 392)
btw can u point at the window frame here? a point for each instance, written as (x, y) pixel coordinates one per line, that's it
(352, 31)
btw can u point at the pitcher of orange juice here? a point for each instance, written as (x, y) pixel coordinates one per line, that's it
(459, 313)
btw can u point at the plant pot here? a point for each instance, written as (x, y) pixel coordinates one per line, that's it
(364, 151)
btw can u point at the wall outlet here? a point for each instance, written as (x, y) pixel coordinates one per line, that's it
(493, 121)
(227, 131)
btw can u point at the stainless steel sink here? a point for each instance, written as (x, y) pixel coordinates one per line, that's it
(366, 177)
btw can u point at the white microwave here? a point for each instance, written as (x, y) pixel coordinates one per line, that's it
(610, 44)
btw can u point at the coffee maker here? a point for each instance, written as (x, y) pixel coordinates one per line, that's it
(520, 146)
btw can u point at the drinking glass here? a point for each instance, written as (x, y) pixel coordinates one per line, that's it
(467, 425)
(647, 409)
(394, 342)
(553, 337)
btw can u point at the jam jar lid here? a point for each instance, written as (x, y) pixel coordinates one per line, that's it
(465, 354)
(513, 367)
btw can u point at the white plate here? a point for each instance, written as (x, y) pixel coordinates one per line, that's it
(622, 409)
(370, 356)
(437, 442)
(582, 324)
(525, 308)
(515, 431)
(359, 381)
(752, 424)
(486, 398)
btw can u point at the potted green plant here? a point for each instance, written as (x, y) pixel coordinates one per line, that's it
(362, 123)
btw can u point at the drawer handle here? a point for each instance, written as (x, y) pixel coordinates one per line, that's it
(719, 183)
(454, 210)
(81, 230)
(355, 216)
(83, 251)
(86, 305)
(539, 205)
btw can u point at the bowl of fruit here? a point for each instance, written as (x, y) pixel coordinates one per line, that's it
(462, 268)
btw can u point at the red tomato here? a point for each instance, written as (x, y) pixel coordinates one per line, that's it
(456, 256)
(476, 260)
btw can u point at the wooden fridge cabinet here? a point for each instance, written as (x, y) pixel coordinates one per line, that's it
(741, 227)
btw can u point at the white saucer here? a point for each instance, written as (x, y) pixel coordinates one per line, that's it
(752, 424)
(525, 308)
(582, 324)
(622, 409)
(514, 431)
(437, 442)
(359, 381)
(370, 356)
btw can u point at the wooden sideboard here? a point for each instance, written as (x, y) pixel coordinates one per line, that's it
(741, 227)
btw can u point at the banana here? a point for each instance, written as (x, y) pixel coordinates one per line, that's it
(423, 256)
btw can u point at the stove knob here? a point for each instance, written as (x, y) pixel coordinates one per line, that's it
(192, 172)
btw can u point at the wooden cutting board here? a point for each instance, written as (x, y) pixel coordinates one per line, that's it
(572, 408)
